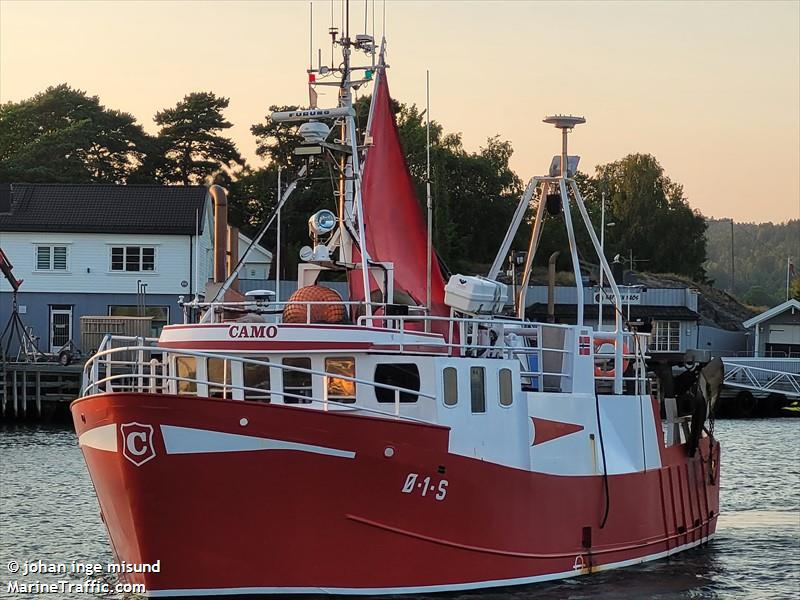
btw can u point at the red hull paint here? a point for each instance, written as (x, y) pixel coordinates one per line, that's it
(301, 520)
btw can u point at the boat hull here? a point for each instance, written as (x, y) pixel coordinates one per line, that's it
(234, 498)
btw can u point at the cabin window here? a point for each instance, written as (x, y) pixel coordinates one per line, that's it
(256, 379)
(219, 378)
(477, 380)
(51, 258)
(450, 378)
(506, 393)
(186, 368)
(404, 375)
(297, 382)
(341, 390)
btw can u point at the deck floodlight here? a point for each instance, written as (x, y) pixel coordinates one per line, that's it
(321, 222)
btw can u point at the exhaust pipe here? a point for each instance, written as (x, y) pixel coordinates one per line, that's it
(220, 198)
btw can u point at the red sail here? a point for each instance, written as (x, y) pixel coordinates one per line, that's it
(395, 229)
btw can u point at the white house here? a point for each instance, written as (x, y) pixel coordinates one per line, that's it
(776, 332)
(103, 250)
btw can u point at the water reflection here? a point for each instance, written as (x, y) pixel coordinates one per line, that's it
(48, 510)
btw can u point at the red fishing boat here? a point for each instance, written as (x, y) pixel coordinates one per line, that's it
(421, 436)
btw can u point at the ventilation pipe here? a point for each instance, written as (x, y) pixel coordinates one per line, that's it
(220, 198)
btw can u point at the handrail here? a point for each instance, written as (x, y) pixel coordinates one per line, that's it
(352, 406)
(270, 364)
(277, 307)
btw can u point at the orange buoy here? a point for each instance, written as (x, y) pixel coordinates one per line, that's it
(296, 312)
(610, 373)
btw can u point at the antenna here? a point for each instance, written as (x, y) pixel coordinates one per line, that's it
(196, 253)
(311, 37)
(428, 189)
(565, 123)
(278, 244)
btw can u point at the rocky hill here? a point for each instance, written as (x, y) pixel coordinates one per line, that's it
(716, 308)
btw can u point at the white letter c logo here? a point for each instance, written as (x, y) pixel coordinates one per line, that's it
(130, 443)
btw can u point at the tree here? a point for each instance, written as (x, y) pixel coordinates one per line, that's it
(64, 135)
(467, 187)
(190, 147)
(653, 218)
(760, 254)
(794, 289)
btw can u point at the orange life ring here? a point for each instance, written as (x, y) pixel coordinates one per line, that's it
(610, 373)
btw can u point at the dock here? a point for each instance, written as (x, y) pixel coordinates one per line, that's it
(38, 390)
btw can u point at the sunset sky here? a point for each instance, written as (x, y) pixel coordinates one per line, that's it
(711, 89)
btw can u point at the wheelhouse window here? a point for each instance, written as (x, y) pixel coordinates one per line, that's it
(51, 258)
(133, 259)
(506, 391)
(297, 383)
(186, 369)
(666, 336)
(256, 379)
(450, 379)
(404, 375)
(219, 378)
(477, 380)
(341, 390)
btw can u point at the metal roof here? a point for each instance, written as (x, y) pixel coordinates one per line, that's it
(638, 311)
(772, 312)
(103, 208)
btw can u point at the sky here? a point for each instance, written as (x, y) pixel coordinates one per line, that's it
(711, 89)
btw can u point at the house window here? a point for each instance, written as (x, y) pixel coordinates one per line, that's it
(403, 375)
(506, 393)
(477, 380)
(341, 390)
(51, 258)
(297, 383)
(256, 379)
(133, 259)
(450, 377)
(160, 315)
(666, 336)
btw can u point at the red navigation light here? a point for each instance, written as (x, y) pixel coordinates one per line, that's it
(311, 78)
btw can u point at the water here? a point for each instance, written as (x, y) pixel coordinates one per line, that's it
(48, 511)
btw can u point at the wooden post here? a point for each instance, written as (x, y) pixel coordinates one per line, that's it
(5, 389)
(39, 394)
(14, 392)
(24, 392)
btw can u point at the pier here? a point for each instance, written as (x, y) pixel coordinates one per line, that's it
(38, 390)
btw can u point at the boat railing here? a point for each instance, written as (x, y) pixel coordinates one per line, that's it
(544, 354)
(103, 373)
(275, 309)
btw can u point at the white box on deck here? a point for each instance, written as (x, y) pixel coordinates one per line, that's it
(476, 295)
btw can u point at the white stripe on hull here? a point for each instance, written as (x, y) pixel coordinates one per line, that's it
(187, 440)
(419, 589)
(100, 438)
